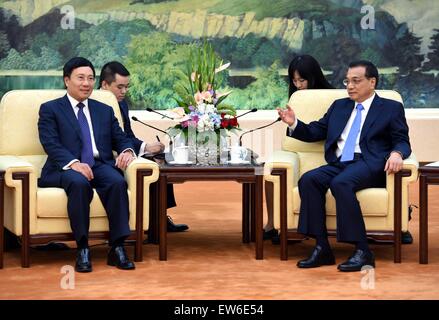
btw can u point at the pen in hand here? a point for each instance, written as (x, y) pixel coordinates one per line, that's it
(157, 138)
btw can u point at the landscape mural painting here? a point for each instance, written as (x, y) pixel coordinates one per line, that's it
(153, 39)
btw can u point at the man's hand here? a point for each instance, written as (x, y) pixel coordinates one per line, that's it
(84, 169)
(155, 147)
(394, 163)
(124, 159)
(288, 116)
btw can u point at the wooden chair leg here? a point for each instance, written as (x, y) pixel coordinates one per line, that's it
(25, 238)
(138, 248)
(397, 218)
(2, 190)
(282, 173)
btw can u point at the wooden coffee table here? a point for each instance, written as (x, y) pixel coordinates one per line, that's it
(427, 176)
(249, 175)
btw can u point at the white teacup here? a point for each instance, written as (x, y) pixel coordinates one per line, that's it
(238, 154)
(181, 154)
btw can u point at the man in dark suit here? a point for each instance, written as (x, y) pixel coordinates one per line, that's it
(78, 135)
(366, 136)
(116, 78)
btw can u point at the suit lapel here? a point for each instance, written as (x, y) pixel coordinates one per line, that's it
(95, 119)
(372, 115)
(124, 110)
(342, 118)
(70, 115)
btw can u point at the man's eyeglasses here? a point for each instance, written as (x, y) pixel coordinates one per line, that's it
(355, 81)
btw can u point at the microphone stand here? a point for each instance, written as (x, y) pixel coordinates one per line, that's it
(163, 115)
(155, 128)
(265, 126)
(252, 110)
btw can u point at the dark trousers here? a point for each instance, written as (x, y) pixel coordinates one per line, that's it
(344, 180)
(111, 187)
(170, 199)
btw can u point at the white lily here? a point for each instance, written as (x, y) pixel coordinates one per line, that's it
(223, 67)
(219, 95)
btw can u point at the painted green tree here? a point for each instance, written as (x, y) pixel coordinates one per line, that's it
(153, 61)
(408, 49)
(433, 55)
(4, 44)
(269, 91)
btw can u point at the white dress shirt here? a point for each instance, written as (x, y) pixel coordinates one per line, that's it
(74, 103)
(344, 135)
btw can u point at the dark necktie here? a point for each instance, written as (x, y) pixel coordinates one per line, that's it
(87, 148)
(349, 147)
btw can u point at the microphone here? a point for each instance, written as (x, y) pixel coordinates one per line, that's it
(265, 126)
(163, 115)
(148, 125)
(155, 128)
(252, 110)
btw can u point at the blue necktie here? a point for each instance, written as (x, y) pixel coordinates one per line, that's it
(87, 148)
(348, 151)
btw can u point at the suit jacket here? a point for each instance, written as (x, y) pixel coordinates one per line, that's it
(384, 130)
(123, 105)
(61, 138)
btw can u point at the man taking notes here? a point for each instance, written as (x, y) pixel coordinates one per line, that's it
(116, 78)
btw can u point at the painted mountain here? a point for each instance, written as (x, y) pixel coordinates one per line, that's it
(152, 38)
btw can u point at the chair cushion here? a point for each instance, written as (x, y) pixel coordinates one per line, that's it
(20, 107)
(52, 203)
(373, 202)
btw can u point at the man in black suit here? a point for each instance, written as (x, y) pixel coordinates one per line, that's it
(78, 135)
(366, 136)
(116, 78)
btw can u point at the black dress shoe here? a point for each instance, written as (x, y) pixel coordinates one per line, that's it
(275, 239)
(357, 261)
(11, 241)
(118, 257)
(270, 234)
(83, 261)
(406, 237)
(318, 257)
(172, 227)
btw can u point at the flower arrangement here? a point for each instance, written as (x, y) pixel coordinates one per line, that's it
(201, 109)
(205, 121)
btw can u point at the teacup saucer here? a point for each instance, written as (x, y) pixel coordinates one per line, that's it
(238, 162)
(175, 162)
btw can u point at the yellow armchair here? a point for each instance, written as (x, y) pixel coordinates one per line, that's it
(286, 166)
(39, 215)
